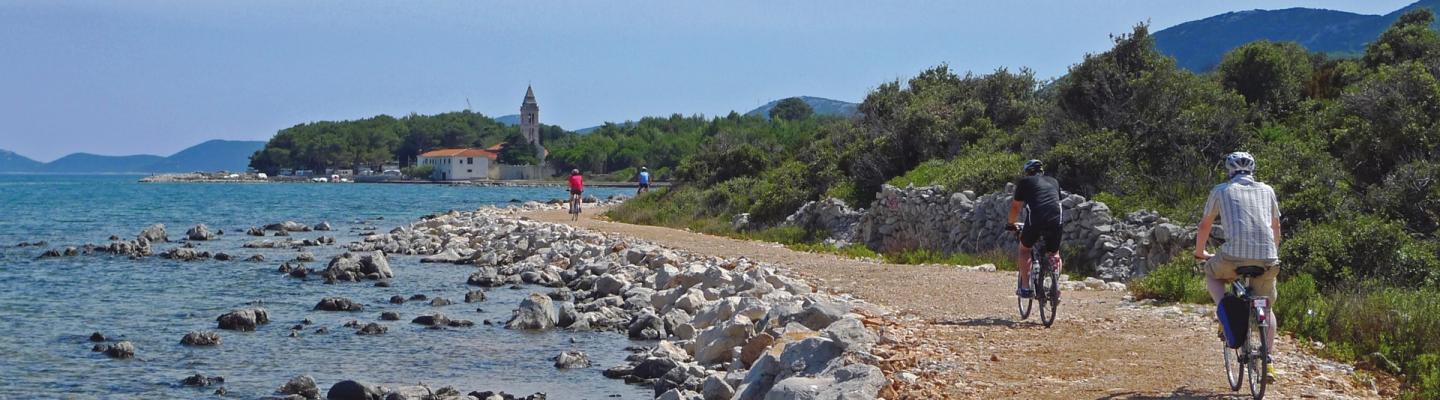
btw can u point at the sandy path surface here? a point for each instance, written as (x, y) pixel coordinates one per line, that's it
(959, 334)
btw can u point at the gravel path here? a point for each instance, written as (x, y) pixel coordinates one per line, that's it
(956, 333)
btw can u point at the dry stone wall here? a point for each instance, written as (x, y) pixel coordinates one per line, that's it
(932, 218)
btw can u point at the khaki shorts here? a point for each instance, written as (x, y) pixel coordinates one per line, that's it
(1223, 267)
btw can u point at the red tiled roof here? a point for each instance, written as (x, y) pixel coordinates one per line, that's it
(460, 153)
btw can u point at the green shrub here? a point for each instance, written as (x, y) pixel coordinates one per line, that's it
(781, 191)
(780, 234)
(1001, 259)
(1360, 248)
(1403, 325)
(418, 171)
(1301, 308)
(1174, 281)
(980, 171)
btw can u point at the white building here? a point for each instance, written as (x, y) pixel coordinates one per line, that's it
(458, 164)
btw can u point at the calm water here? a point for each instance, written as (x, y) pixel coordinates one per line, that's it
(49, 307)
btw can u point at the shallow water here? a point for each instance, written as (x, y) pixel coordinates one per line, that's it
(48, 307)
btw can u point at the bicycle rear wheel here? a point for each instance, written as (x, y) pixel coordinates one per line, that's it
(1259, 362)
(1048, 290)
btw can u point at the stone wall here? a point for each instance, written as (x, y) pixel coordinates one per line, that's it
(934, 219)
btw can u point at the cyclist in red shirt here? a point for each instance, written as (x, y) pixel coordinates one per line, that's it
(577, 187)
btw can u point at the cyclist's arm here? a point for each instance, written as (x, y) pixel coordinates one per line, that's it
(1212, 210)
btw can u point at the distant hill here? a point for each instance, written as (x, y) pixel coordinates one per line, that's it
(12, 162)
(511, 120)
(1199, 45)
(822, 106)
(214, 155)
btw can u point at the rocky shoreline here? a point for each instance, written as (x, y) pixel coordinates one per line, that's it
(703, 327)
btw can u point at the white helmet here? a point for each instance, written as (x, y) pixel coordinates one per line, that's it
(1239, 161)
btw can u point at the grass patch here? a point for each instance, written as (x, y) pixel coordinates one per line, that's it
(852, 251)
(1175, 281)
(1391, 329)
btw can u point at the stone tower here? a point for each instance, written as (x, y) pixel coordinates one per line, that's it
(530, 122)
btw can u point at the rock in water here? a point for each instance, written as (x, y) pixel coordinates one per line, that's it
(536, 312)
(121, 350)
(390, 316)
(303, 386)
(288, 226)
(201, 380)
(372, 329)
(352, 390)
(475, 296)
(255, 231)
(243, 320)
(97, 337)
(323, 226)
(338, 304)
(153, 234)
(200, 338)
(199, 232)
(572, 359)
(431, 320)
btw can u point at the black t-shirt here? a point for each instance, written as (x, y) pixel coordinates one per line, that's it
(1042, 195)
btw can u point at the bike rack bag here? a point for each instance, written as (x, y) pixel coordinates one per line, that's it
(1234, 315)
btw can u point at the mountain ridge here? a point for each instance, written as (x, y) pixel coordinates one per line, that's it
(1199, 45)
(211, 155)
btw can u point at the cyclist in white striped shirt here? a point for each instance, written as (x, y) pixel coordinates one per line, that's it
(1250, 214)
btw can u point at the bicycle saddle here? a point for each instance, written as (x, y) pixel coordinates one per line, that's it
(1250, 270)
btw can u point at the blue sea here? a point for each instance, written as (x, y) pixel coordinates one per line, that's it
(49, 307)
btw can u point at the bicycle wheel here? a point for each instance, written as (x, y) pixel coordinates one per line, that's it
(1049, 285)
(1024, 304)
(1234, 367)
(1259, 365)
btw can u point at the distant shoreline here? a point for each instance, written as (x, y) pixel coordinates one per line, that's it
(200, 178)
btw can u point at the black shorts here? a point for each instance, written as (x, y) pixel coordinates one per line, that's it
(576, 192)
(1033, 234)
(644, 186)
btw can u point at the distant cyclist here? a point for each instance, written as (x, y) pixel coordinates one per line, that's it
(1250, 215)
(577, 188)
(644, 181)
(1041, 194)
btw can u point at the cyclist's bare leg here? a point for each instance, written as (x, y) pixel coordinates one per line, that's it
(1023, 263)
(1273, 323)
(1216, 288)
(1056, 262)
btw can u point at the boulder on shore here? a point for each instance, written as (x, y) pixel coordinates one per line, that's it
(536, 312)
(352, 390)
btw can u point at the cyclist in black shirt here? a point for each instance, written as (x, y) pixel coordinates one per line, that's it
(1041, 195)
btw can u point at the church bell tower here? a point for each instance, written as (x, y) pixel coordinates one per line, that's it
(530, 122)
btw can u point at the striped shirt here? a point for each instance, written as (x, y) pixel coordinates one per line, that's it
(1246, 209)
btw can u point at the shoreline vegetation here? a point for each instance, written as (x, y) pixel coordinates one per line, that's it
(1351, 146)
(252, 178)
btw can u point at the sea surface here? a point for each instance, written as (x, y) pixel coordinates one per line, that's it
(49, 307)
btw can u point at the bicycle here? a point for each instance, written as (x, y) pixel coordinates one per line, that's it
(1044, 281)
(574, 207)
(1247, 358)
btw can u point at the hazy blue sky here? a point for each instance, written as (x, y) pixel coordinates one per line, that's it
(155, 77)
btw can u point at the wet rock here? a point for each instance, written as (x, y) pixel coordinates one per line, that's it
(536, 312)
(383, 283)
(223, 257)
(243, 320)
(299, 272)
(281, 233)
(303, 386)
(474, 296)
(184, 254)
(256, 258)
(200, 338)
(440, 302)
(122, 350)
(288, 226)
(371, 329)
(153, 234)
(353, 267)
(338, 304)
(200, 380)
(397, 299)
(305, 256)
(199, 232)
(255, 231)
(352, 390)
(437, 319)
(419, 297)
(97, 337)
(572, 359)
(486, 277)
(646, 326)
(323, 226)
(390, 316)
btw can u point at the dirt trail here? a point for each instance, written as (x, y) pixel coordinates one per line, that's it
(958, 332)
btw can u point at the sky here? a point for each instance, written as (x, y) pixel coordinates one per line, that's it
(155, 77)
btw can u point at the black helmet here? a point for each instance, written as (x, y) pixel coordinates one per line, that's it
(1034, 166)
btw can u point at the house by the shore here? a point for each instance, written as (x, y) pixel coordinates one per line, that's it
(461, 164)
